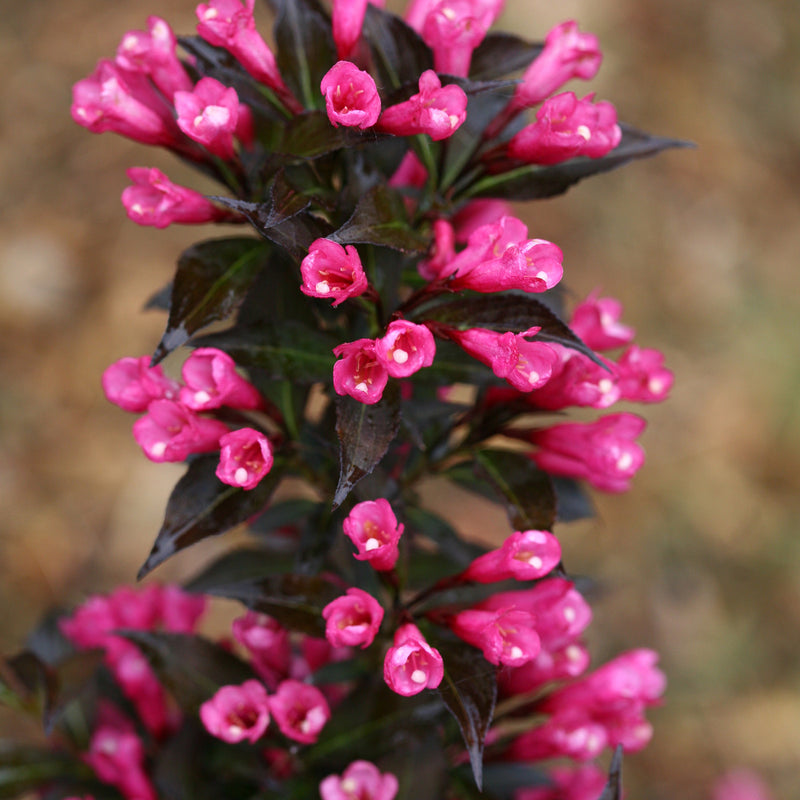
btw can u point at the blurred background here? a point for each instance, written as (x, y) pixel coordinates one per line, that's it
(701, 560)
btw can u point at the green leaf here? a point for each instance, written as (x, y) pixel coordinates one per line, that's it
(527, 490)
(469, 690)
(381, 218)
(25, 769)
(613, 790)
(365, 433)
(500, 54)
(211, 281)
(201, 506)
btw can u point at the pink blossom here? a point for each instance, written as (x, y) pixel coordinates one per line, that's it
(506, 636)
(596, 322)
(740, 784)
(352, 619)
(405, 348)
(373, 529)
(237, 713)
(362, 780)
(436, 110)
(116, 99)
(170, 432)
(181, 611)
(245, 458)
(300, 710)
(351, 97)
(551, 665)
(570, 734)
(117, 757)
(132, 384)
(359, 372)
(603, 452)
(476, 213)
(348, 17)
(585, 782)
(412, 665)
(152, 52)
(212, 381)
(410, 173)
(154, 200)
(267, 642)
(524, 556)
(565, 128)
(577, 380)
(140, 685)
(641, 375)
(229, 24)
(441, 252)
(209, 115)
(330, 270)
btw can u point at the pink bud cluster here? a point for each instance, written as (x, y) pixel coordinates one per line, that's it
(117, 756)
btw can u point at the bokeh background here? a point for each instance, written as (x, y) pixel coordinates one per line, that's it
(700, 561)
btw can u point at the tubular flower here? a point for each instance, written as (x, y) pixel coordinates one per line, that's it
(117, 757)
(353, 619)
(641, 375)
(212, 381)
(596, 322)
(362, 780)
(506, 636)
(405, 348)
(300, 710)
(267, 642)
(351, 97)
(132, 384)
(373, 529)
(330, 270)
(412, 665)
(209, 115)
(245, 458)
(525, 555)
(237, 713)
(347, 17)
(359, 372)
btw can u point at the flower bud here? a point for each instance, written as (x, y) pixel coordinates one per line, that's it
(209, 115)
(212, 381)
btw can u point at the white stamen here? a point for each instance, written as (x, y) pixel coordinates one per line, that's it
(542, 275)
(240, 476)
(210, 13)
(323, 287)
(569, 614)
(137, 208)
(418, 676)
(624, 461)
(593, 742)
(198, 120)
(573, 653)
(655, 385)
(400, 356)
(361, 387)
(202, 396)
(605, 385)
(349, 786)
(533, 377)
(158, 449)
(516, 652)
(535, 562)
(235, 730)
(584, 132)
(128, 42)
(371, 544)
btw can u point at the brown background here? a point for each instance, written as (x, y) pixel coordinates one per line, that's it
(701, 560)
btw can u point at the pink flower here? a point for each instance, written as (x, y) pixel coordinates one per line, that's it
(410, 173)
(351, 97)
(412, 665)
(229, 24)
(359, 373)
(584, 783)
(373, 529)
(362, 780)
(267, 642)
(171, 432)
(506, 636)
(132, 384)
(353, 619)
(740, 784)
(641, 375)
(116, 99)
(577, 381)
(551, 665)
(405, 348)
(565, 128)
(525, 555)
(212, 381)
(181, 611)
(155, 200)
(570, 734)
(245, 458)
(441, 252)
(603, 452)
(209, 115)
(436, 110)
(152, 52)
(596, 322)
(348, 18)
(477, 213)
(300, 710)
(237, 713)
(330, 270)
(117, 757)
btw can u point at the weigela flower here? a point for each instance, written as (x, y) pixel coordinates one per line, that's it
(330, 270)
(570, 734)
(209, 115)
(596, 322)
(603, 452)
(347, 18)
(577, 380)
(551, 665)
(585, 782)
(641, 375)
(300, 710)
(171, 432)
(351, 97)
(155, 200)
(405, 348)
(362, 780)
(506, 636)
(117, 757)
(353, 619)
(267, 642)
(441, 252)
(740, 784)
(212, 381)
(237, 713)
(152, 52)
(525, 555)
(565, 128)
(132, 384)
(373, 529)
(477, 213)
(359, 372)
(181, 611)
(436, 110)
(412, 665)
(245, 458)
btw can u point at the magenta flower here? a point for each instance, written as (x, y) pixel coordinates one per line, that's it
(603, 452)
(152, 52)
(565, 128)
(524, 556)
(181, 611)
(132, 384)
(436, 110)
(577, 381)
(362, 780)
(348, 17)
(237, 713)
(267, 642)
(359, 372)
(373, 529)
(441, 252)
(585, 782)
(170, 432)
(245, 458)
(477, 213)
(330, 270)
(596, 322)
(506, 636)
(571, 734)
(641, 375)
(353, 619)
(154, 200)
(212, 381)
(117, 757)
(412, 665)
(405, 348)
(300, 710)
(209, 115)
(351, 97)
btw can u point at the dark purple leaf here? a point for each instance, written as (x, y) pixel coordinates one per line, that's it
(160, 300)
(201, 506)
(25, 769)
(500, 54)
(311, 135)
(237, 566)
(613, 790)
(572, 501)
(446, 538)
